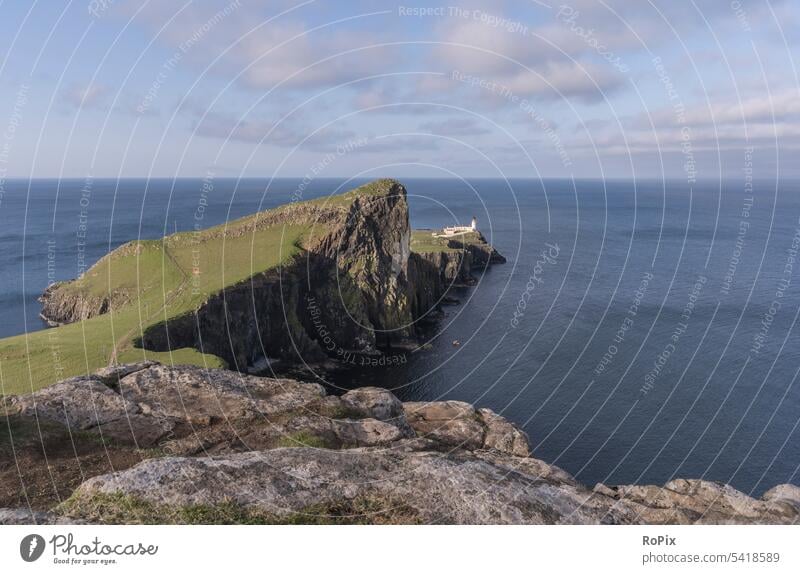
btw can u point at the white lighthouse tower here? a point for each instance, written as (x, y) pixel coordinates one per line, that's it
(458, 229)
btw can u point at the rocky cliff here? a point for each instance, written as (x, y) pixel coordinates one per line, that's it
(348, 292)
(65, 302)
(437, 264)
(456, 260)
(147, 443)
(354, 287)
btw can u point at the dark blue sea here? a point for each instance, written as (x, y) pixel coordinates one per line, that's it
(639, 331)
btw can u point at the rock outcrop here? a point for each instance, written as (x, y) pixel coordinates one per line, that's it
(277, 450)
(456, 262)
(66, 302)
(356, 287)
(347, 292)
(9, 516)
(434, 271)
(60, 306)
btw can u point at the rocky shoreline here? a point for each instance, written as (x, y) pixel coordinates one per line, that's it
(356, 287)
(191, 445)
(148, 443)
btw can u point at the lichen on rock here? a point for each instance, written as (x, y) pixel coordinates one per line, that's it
(227, 447)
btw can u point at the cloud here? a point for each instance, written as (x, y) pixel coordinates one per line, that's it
(403, 143)
(556, 80)
(370, 98)
(86, 96)
(524, 61)
(627, 24)
(289, 56)
(722, 123)
(287, 134)
(784, 135)
(781, 106)
(454, 127)
(270, 44)
(538, 55)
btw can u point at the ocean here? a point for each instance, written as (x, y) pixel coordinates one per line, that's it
(639, 332)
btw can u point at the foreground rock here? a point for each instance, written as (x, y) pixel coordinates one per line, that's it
(10, 516)
(435, 487)
(146, 403)
(432, 487)
(235, 448)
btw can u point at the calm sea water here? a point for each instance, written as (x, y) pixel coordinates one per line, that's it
(656, 339)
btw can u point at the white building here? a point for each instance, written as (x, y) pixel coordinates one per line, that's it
(459, 229)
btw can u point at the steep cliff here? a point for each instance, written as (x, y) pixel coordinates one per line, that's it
(193, 445)
(439, 263)
(307, 281)
(346, 292)
(71, 301)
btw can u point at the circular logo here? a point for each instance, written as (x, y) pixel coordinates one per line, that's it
(31, 547)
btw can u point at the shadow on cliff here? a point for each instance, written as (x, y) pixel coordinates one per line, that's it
(358, 290)
(308, 310)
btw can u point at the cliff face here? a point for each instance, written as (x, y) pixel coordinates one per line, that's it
(368, 256)
(447, 263)
(60, 307)
(355, 287)
(278, 450)
(347, 292)
(64, 302)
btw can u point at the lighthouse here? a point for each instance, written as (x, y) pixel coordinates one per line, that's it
(458, 229)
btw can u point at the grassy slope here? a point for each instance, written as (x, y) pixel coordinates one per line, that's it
(157, 278)
(423, 241)
(373, 188)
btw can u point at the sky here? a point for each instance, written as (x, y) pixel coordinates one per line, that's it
(683, 89)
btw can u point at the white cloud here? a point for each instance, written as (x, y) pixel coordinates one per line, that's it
(286, 134)
(524, 62)
(267, 48)
(86, 96)
(454, 127)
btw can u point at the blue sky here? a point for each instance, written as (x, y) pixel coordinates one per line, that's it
(614, 88)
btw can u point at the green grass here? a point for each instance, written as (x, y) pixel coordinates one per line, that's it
(152, 281)
(375, 188)
(126, 509)
(157, 279)
(302, 438)
(423, 241)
